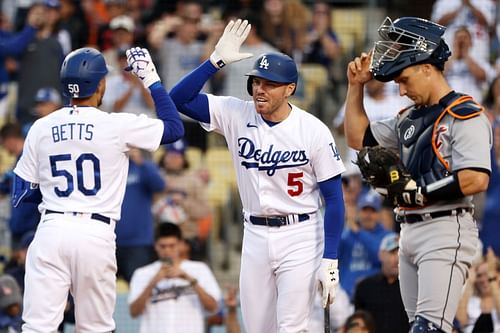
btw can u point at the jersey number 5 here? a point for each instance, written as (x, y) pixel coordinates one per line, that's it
(79, 174)
(297, 187)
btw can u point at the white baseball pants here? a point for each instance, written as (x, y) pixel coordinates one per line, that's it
(278, 278)
(70, 254)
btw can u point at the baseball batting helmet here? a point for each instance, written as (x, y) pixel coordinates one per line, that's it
(277, 67)
(405, 42)
(81, 72)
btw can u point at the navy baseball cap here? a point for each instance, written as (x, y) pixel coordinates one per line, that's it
(178, 146)
(370, 199)
(390, 242)
(48, 95)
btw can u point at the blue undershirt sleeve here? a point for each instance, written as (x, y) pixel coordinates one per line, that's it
(187, 95)
(173, 129)
(331, 190)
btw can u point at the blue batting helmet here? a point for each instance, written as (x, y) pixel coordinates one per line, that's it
(81, 72)
(277, 67)
(406, 42)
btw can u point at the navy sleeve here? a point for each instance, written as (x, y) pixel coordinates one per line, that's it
(186, 93)
(16, 43)
(331, 190)
(173, 129)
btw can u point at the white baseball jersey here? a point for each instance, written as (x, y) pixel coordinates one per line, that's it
(78, 157)
(174, 306)
(277, 167)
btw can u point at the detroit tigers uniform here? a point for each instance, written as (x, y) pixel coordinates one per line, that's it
(78, 156)
(278, 169)
(438, 241)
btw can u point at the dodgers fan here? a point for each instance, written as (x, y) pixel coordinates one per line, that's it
(76, 157)
(285, 159)
(444, 142)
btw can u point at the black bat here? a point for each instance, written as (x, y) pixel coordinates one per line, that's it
(327, 318)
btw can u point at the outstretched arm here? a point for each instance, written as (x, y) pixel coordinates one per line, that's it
(186, 93)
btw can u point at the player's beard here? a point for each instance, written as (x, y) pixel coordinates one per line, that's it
(99, 101)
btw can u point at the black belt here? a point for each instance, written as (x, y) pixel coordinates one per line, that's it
(93, 216)
(412, 218)
(278, 221)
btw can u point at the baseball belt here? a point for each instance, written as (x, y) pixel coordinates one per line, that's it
(277, 220)
(413, 218)
(93, 216)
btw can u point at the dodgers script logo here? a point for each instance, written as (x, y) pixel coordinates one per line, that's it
(269, 160)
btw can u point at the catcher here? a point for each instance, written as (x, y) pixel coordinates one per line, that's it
(444, 142)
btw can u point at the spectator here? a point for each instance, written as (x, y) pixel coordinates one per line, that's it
(23, 219)
(122, 38)
(322, 44)
(477, 15)
(180, 50)
(172, 294)
(359, 322)
(15, 45)
(113, 9)
(134, 232)
(490, 228)
(479, 307)
(284, 24)
(73, 21)
(53, 18)
(34, 75)
(125, 91)
(465, 71)
(379, 294)
(360, 242)
(184, 201)
(10, 305)
(18, 260)
(47, 100)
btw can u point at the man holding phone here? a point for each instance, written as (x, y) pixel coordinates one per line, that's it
(172, 294)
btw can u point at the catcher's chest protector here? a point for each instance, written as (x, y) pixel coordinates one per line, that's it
(417, 136)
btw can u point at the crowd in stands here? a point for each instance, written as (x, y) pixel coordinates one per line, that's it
(168, 212)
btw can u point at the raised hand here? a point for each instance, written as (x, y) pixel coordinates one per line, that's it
(141, 65)
(227, 49)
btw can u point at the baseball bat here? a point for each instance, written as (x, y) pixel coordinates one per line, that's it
(327, 318)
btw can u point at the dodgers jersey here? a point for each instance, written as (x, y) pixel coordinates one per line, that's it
(78, 157)
(277, 167)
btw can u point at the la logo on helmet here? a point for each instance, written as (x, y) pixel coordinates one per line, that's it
(264, 63)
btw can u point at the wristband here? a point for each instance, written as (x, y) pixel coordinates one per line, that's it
(448, 188)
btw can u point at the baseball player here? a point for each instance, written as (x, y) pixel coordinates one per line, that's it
(284, 158)
(76, 157)
(444, 141)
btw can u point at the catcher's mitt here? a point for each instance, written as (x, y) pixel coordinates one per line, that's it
(384, 170)
(380, 167)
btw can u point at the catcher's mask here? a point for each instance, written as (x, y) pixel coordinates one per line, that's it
(276, 67)
(405, 42)
(81, 72)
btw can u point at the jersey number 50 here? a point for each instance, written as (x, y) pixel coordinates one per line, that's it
(79, 174)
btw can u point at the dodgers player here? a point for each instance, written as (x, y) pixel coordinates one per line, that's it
(444, 140)
(77, 157)
(283, 157)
